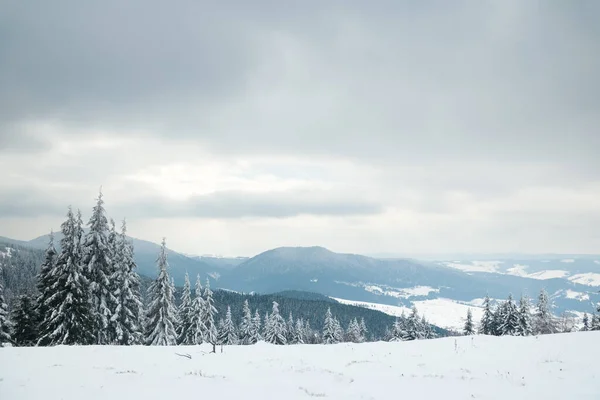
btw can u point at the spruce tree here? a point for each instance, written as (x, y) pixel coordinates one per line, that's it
(525, 328)
(185, 314)
(227, 333)
(99, 269)
(71, 319)
(45, 284)
(289, 329)
(586, 323)
(398, 331)
(197, 328)
(595, 325)
(299, 333)
(127, 318)
(162, 314)
(544, 321)
(276, 327)
(256, 323)
(509, 324)
(329, 334)
(246, 328)
(5, 326)
(339, 331)
(25, 321)
(210, 334)
(363, 329)
(487, 321)
(353, 332)
(414, 329)
(469, 328)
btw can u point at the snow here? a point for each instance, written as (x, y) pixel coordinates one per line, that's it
(481, 367)
(475, 266)
(395, 311)
(401, 293)
(517, 270)
(447, 313)
(7, 253)
(571, 294)
(589, 279)
(567, 261)
(549, 274)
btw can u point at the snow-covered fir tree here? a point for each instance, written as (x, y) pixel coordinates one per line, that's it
(5, 326)
(162, 314)
(127, 317)
(585, 322)
(353, 333)
(363, 329)
(289, 329)
(487, 320)
(510, 323)
(428, 329)
(256, 324)
(469, 328)
(208, 317)
(329, 334)
(99, 269)
(246, 327)
(69, 318)
(595, 324)
(525, 326)
(398, 331)
(276, 330)
(414, 329)
(45, 284)
(228, 333)
(185, 314)
(197, 329)
(25, 322)
(544, 322)
(339, 331)
(267, 322)
(299, 336)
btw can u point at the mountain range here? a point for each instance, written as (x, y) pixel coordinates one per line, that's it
(442, 290)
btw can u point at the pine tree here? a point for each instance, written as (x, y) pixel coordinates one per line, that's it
(525, 328)
(276, 327)
(487, 321)
(255, 332)
(586, 323)
(339, 331)
(246, 327)
(509, 324)
(353, 333)
(5, 326)
(162, 314)
(299, 336)
(289, 329)
(45, 284)
(71, 319)
(127, 317)
(329, 336)
(398, 331)
(208, 319)
(429, 333)
(197, 329)
(414, 329)
(469, 328)
(595, 325)
(185, 313)
(112, 240)
(25, 321)
(228, 334)
(363, 329)
(544, 321)
(99, 269)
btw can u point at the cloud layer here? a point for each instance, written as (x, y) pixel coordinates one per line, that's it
(388, 127)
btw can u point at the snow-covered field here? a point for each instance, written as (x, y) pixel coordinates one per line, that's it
(546, 367)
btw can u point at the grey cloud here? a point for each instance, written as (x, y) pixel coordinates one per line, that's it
(233, 204)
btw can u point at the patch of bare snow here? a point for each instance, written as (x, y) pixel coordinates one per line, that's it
(571, 294)
(589, 279)
(475, 266)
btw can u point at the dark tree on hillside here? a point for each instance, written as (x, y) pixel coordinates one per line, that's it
(25, 321)
(469, 328)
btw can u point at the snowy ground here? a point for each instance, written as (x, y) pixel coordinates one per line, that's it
(546, 367)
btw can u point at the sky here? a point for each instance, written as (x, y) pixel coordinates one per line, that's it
(234, 127)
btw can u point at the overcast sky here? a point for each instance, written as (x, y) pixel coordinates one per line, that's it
(233, 127)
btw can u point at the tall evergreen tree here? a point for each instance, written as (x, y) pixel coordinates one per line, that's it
(185, 314)
(256, 323)
(299, 336)
(208, 319)
(69, 318)
(127, 317)
(25, 321)
(45, 284)
(339, 331)
(544, 321)
(246, 328)
(469, 328)
(197, 328)
(510, 318)
(487, 321)
(228, 333)
(586, 323)
(162, 314)
(289, 329)
(329, 334)
(525, 327)
(5, 326)
(363, 329)
(99, 269)
(414, 329)
(276, 327)
(595, 325)
(353, 333)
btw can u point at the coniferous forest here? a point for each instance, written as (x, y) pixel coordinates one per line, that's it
(89, 293)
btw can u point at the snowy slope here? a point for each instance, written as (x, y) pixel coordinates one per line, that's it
(545, 367)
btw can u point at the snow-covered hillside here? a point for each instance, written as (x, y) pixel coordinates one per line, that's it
(546, 367)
